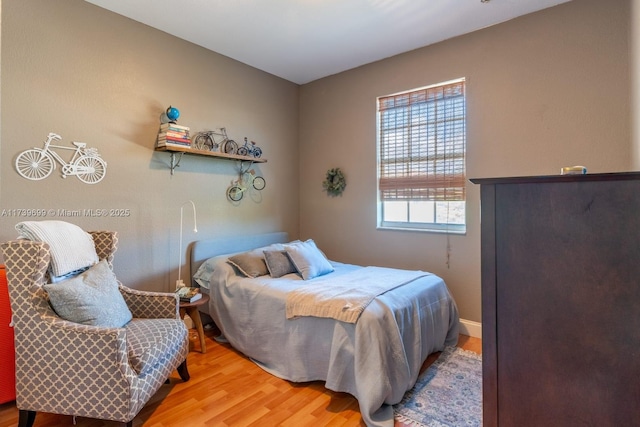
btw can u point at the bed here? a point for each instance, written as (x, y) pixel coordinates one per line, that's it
(375, 354)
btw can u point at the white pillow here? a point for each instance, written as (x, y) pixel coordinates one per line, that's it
(91, 298)
(71, 247)
(308, 259)
(203, 275)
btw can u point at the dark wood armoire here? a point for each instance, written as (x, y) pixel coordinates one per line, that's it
(561, 300)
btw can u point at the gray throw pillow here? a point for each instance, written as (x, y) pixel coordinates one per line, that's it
(91, 298)
(278, 263)
(251, 263)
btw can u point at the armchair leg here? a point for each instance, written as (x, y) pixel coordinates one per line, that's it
(26, 418)
(129, 424)
(182, 370)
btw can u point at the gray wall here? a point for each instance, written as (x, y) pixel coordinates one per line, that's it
(544, 91)
(90, 75)
(547, 90)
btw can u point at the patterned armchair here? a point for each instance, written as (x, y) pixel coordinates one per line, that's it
(74, 369)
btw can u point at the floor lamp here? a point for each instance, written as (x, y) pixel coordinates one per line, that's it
(179, 282)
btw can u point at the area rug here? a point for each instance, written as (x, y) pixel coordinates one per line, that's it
(447, 394)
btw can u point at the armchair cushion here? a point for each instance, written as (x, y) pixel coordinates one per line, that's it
(150, 340)
(91, 298)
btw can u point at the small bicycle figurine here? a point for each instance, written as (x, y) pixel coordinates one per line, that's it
(215, 141)
(38, 163)
(247, 180)
(250, 149)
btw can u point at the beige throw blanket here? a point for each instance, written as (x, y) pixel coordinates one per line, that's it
(71, 247)
(346, 296)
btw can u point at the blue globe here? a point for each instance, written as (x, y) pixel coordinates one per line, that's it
(173, 113)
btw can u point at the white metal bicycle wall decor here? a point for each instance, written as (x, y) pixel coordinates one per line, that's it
(38, 163)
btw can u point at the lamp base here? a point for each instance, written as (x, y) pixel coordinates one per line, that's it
(179, 284)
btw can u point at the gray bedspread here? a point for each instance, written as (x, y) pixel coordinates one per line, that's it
(377, 359)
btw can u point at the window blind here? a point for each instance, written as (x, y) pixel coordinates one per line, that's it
(422, 144)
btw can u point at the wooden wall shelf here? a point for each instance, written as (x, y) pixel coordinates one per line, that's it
(185, 150)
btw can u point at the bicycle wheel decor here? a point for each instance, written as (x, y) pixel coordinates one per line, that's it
(234, 193)
(204, 141)
(90, 170)
(259, 183)
(34, 164)
(230, 147)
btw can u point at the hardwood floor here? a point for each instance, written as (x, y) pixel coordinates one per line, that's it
(227, 389)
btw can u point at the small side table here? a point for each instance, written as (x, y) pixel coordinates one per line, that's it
(191, 308)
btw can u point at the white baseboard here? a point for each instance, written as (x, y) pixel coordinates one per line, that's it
(471, 328)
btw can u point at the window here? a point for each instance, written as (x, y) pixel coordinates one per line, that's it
(421, 158)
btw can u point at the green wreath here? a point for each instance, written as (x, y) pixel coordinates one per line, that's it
(334, 183)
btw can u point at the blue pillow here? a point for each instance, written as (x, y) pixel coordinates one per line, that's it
(308, 259)
(91, 298)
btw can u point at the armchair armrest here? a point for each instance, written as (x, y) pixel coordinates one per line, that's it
(83, 332)
(151, 305)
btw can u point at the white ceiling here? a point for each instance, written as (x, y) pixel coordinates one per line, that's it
(304, 40)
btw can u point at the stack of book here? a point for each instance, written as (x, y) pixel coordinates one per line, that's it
(188, 294)
(173, 135)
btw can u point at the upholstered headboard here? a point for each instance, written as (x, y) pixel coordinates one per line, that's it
(202, 250)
